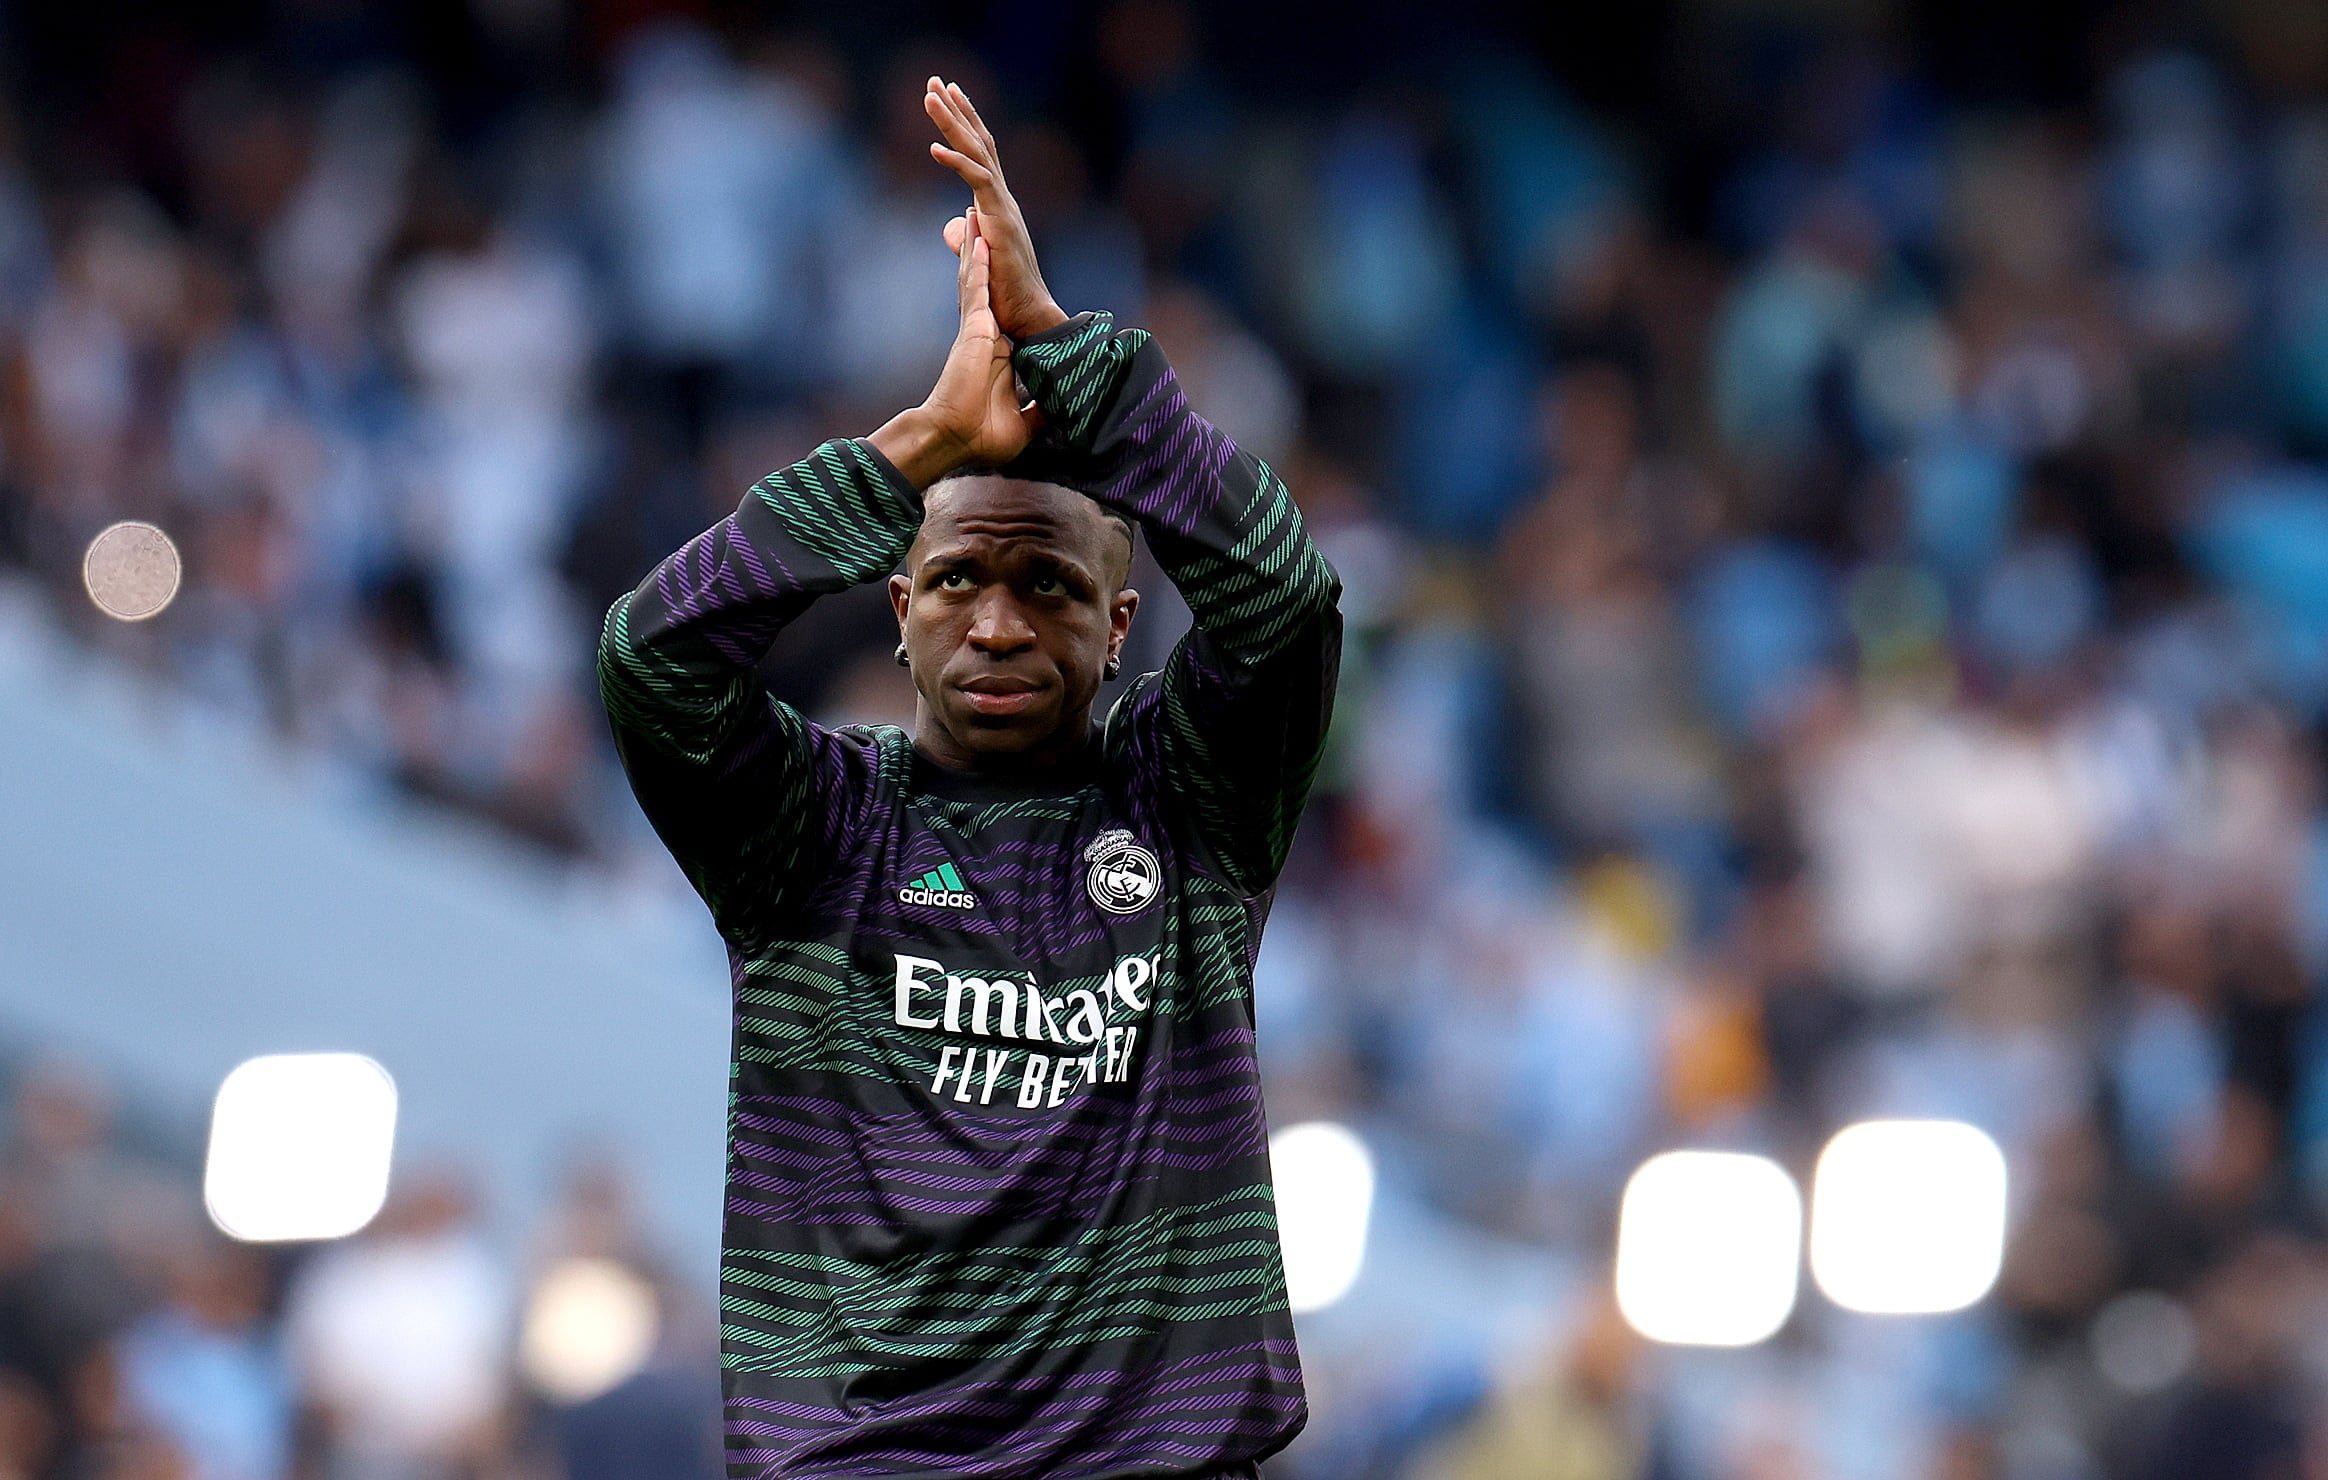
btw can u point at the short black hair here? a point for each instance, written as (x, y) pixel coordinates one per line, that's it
(1015, 470)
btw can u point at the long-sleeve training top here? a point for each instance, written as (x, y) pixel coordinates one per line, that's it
(998, 1186)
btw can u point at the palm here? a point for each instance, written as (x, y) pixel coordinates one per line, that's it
(975, 394)
(975, 399)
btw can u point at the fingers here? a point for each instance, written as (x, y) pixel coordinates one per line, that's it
(969, 112)
(974, 174)
(957, 232)
(980, 273)
(978, 323)
(958, 130)
(946, 102)
(966, 259)
(949, 108)
(975, 275)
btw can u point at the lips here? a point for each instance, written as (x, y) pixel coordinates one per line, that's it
(999, 694)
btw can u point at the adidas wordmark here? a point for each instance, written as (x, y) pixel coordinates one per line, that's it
(940, 886)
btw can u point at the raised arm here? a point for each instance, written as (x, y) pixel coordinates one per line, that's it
(1238, 715)
(1237, 718)
(748, 795)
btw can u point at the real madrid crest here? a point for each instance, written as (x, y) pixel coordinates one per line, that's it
(1124, 876)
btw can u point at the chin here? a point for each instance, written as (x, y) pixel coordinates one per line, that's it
(983, 734)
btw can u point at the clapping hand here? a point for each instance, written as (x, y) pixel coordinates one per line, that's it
(1022, 305)
(973, 412)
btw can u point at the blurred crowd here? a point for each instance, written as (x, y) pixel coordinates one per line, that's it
(139, 1343)
(1836, 567)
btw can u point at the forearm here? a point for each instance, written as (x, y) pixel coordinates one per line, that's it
(1220, 520)
(678, 654)
(921, 452)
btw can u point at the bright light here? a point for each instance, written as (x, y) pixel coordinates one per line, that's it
(1325, 1195)
(1707, 1248)
(131, 570)
(1908, 1216)
(299, 1146)
(590, 1325)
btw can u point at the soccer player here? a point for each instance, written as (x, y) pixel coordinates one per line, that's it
(998, 1182)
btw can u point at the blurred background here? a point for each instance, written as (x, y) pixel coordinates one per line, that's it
(1833, 503)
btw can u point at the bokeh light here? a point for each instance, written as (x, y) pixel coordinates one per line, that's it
(589, 1326)
(300, 1146)
(1325, 1198)
(131, 570)
(1708, 1244)
(1908, 1216)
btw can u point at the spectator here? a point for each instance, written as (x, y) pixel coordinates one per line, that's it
(207, 1370)
(401, 1341)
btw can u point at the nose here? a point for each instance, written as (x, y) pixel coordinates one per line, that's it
(997, 626)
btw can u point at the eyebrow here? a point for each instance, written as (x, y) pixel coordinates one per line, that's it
(1049, 557)
(1009, 529)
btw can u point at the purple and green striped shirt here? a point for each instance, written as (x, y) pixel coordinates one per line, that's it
(998, 1188)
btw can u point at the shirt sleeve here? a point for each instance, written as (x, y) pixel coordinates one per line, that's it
(1236, 720)
(747, 793)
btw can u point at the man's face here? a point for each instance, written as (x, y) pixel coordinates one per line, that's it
(1011, 602)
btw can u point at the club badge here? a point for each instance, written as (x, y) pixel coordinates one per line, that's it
(1124, 876)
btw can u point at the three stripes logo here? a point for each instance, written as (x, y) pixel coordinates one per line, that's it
(940, 886)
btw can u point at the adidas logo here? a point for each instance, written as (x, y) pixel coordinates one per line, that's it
(940, 886)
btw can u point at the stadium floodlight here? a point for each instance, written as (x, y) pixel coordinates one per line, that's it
(1325, 1197)
(1708, 1248)
(1908, 1216)
(588, 1328)
(299, 1147)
